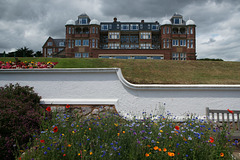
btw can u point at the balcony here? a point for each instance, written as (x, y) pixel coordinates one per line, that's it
(81, 34)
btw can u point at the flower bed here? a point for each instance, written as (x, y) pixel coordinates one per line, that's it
(110, 136)
(24, 65)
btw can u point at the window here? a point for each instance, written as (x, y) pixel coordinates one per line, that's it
(141, 26)
(60, 49)
(78, 55)
(163, 30)
(93, 43)
(49, 43)
(164, 45)
(187, 43)
(124, 46)
(93, 30)
(134, 26)
(191, 44)
(177, 21)
(96, 43)
(117, 26)
(110, 26)
(61, 44)
(113, 45)
(83, 21)
(175, 56)
(77, 42)
(154, 27)
(145, 45)
(86, 42)
(72, 43)
(85, 55)
(167, 30)
(167, 43)
(69, 44)
(113, 35)
(72, 30)
(96, 29)
(191, 30)
(175, 42)
(104, 27)
(145, 35)
(182, 56)
(183, 42)
(125, 27)
(69, 30)
(149, 26)
(49, 51)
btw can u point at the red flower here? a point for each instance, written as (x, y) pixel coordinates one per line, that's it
(177, 127)
(64, 155)
(48, 109)
(230, 111)
(42, 141)
(67, 106)
(211, 140)
(55, 129)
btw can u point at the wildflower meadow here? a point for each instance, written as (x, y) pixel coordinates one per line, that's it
(111, 136)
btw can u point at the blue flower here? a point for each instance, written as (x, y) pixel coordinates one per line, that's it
(45, 152)
(50, 137)
(42, 147)
(49, 148)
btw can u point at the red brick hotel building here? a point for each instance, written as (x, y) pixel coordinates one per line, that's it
(173, 39)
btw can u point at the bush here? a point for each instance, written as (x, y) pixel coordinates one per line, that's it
(20, 117)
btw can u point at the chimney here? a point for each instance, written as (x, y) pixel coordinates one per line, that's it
(115, 19)
(142, 21)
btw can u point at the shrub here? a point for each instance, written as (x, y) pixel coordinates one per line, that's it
(20, 117)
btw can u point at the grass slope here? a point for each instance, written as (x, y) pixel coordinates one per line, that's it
(157, 72)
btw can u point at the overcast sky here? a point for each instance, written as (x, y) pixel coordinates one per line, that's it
(30, 23)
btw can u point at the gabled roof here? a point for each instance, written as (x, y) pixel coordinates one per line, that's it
(57, 41)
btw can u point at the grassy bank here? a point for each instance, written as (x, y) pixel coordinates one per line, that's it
(158, 72)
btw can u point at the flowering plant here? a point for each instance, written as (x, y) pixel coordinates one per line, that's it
(25, 64)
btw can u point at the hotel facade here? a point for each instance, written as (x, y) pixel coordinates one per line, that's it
(173, 39)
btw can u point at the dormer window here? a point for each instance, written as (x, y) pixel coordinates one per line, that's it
(177, 21)
(83, 21)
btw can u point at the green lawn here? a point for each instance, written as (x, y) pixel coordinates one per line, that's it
(157, 71)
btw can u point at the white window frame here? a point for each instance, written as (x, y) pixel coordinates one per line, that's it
(50, 43)
(113, 35)
(175, 56)
(85, 55)
(124, 25)
(93, 43)
(81, 19)
(145, 35)
(145, 46)
(49, 51)
(175, 42)
(78, 42)
(183, 42)
(103, 27)
(61, 44)
(134, 25)
(85, 42)
(113, 45)
(157, 27)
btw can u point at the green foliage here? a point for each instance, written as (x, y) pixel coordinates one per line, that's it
(113, 137)
(21, 52)
(210, 59)
(20, 117)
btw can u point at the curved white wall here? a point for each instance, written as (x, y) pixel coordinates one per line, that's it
(108, 86)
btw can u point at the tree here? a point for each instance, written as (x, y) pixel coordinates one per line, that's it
(38, 54)
(24, 52)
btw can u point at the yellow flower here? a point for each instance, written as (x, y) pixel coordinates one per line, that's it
(73, 132)
(123, 131)
(161, 131)
(79, 154)
(155, 148)
(157, 142)
(147, 155)
(22, 151)
(164, 149)
(77, 125)
(62, 134)
(84, 150)
(171, 154)
(116, 124)
(118, 134)
(69, 145)
(90, 153)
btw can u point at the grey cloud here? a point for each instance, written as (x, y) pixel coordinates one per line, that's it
(211, 40)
